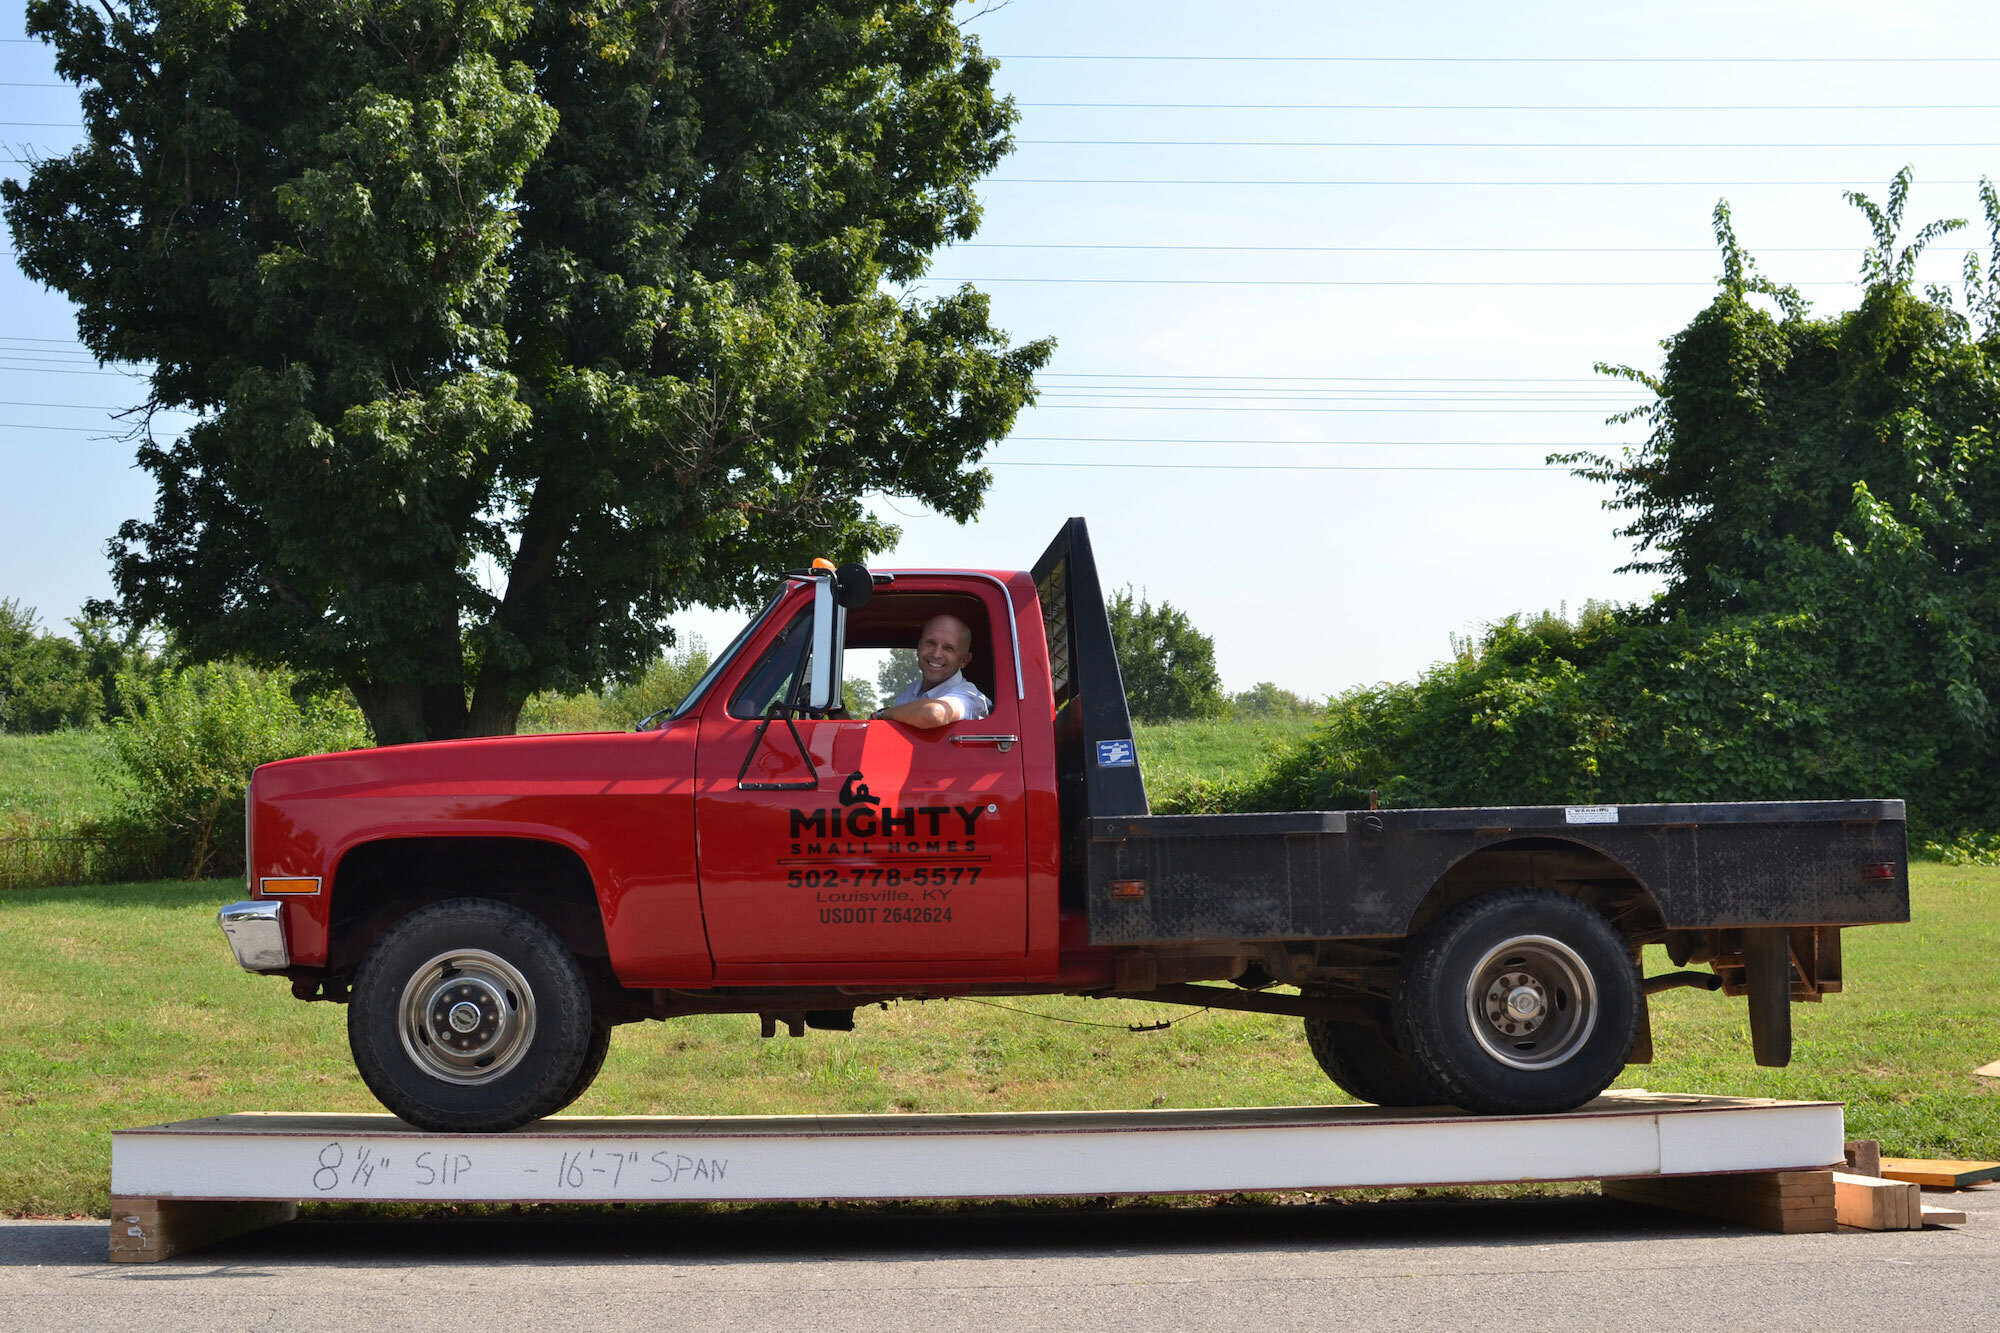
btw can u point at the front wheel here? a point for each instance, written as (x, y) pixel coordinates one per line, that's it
(1523, 1002)
(470, 1016)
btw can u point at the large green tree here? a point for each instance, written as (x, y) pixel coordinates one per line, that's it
(1168, 665)
(1822, 494)
(513, 329)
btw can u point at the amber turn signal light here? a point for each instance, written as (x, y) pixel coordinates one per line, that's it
(1128, 888)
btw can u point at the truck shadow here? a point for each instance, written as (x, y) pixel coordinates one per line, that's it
(828, 1232)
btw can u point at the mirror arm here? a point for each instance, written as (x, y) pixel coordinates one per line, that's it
(771, 714)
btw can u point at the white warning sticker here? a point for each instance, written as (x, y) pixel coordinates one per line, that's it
(1590, 814)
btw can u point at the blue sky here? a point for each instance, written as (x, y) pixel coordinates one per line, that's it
(1354, 365)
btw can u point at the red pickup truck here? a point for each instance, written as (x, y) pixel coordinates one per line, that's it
(489, 910)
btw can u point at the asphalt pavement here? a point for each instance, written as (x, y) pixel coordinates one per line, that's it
(1491, 1265)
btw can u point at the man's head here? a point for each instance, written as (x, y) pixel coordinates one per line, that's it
(943, 649)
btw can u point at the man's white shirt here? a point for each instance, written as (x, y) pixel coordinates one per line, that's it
(972, 705)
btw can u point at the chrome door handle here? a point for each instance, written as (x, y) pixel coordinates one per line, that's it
(1005, 743)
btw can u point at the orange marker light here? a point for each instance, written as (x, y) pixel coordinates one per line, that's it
(1128, 888)
(287, 888)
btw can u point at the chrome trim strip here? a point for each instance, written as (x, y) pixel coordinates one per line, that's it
(256, 933)
(1006, 597)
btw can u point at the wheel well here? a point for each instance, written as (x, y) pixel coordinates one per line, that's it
(378, 883)
(1570, 868)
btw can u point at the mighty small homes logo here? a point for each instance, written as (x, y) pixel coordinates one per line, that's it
(863, 824)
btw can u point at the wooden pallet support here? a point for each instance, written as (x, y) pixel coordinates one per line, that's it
(1790, 1202)
(147, 1230)
(1874, 1204)
(1864, 1156)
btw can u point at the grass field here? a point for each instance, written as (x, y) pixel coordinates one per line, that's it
(1175, 756)
(60, 776)
(121, 1006)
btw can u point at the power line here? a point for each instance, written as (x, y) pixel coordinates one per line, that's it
(1496, 106)
(1453, 411)
(1147, 180)
(1446, 249)
(1278, 467)
(1399, 379)
(1373, 282)
(1156, 440)
(1514, 60)
(1469, 143)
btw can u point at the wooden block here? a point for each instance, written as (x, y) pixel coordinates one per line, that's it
(1874, 1204)
(1791, 1202)
(148, 1230)
(1942, 1217)
(1864, 1156)
(1939, 1173)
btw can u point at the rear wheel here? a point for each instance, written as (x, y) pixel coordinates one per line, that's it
(1362, 1060)
(471, 1016)
(1519, 1003)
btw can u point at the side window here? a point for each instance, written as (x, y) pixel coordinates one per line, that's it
(777, 672)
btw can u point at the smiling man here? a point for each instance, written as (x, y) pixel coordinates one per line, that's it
(943, 695)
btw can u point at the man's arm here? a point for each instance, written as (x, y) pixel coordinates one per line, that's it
(924, 712)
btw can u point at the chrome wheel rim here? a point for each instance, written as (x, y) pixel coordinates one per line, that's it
(1531, 1002)
(467, 1017)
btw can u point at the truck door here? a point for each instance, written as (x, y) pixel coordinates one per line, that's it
(897, 845)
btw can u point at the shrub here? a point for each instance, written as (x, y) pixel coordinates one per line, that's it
(44, 678)
(186, 750)
(1264, 699)
(665, 683)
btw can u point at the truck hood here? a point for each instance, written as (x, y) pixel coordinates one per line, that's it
(488, 764)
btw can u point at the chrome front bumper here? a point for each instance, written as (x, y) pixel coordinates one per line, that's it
(256, 931)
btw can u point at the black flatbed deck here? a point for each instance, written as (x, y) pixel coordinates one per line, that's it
(1329, 874)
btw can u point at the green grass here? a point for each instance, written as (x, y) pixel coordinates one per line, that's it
(1174, 754)
(121, 1006)
(58, 777)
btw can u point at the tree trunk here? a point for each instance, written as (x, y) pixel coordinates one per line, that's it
(497, 695)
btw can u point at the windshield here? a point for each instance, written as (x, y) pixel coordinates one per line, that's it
(727, 656)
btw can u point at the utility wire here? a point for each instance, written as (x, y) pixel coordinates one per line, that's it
(1272, 467)
(1443, 143)
(1373, 282)
(1725, 184)
(1444, 249)
(1488, 106)
(1508, 60)
(1445, 411)
(1154, 439)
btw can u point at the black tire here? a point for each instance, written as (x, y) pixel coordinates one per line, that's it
(470, 1016)
(1522, 1002)
(1362, 1060)
(593, 1064)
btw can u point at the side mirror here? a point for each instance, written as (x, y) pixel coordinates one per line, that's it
(853, 586)
(829, 632)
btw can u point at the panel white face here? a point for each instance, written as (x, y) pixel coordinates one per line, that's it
(832, 1157)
